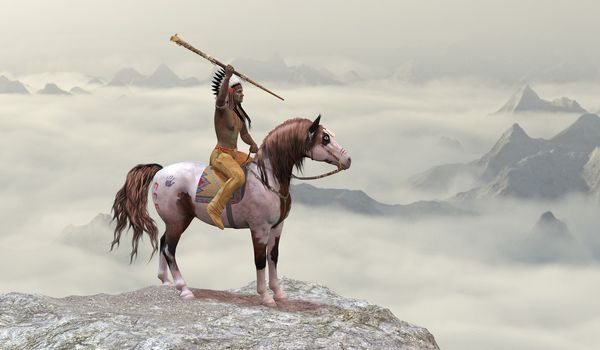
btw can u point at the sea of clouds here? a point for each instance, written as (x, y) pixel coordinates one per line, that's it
(464, 278)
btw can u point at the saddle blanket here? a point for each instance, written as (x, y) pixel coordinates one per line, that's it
(211, 181)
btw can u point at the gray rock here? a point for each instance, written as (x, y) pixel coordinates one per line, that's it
(156, 318)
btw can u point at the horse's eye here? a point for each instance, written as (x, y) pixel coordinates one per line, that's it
(325, 139)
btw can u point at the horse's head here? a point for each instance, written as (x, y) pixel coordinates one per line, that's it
(324, 147)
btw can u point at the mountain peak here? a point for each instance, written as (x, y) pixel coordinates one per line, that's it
(515, 133)
(527, 100)
(588, 119)
(548, 217)
(549, 226)
(527, 92)
(163, 68)
(582, 135)
(52, 89)
(8, 86)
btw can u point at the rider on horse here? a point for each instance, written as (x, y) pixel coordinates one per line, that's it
(230, 121)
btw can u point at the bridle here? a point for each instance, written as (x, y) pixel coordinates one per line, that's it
(339, 165)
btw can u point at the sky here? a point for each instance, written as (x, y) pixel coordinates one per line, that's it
(98, 38)
(64, 158)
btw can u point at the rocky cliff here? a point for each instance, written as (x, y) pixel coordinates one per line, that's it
(156, 318)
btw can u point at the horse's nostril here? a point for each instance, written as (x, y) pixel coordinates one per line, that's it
(349, 161)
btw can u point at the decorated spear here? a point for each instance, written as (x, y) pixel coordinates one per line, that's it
(214, 61)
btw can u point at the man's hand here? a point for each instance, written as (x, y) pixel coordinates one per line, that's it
(253, 148)
(229, 71)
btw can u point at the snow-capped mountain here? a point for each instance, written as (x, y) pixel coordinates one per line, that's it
(512, 146)
(527, 100)
(523, 167)
(8, 86)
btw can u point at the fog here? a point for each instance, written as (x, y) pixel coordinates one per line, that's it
(502, 39)
(465, 278)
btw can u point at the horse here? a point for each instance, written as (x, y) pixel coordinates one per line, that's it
(263, 208)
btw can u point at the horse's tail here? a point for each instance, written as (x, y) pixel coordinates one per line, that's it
(130, 207)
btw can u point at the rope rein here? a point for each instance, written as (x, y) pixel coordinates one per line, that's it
(301, 177)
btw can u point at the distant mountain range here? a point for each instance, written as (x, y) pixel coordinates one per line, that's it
(162, 77)
(527, 100)
(275, 69)
(520, 166)
(359, 202)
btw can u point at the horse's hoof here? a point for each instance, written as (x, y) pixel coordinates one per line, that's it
(167, 283)
(186, 294)
(281, 296)
(269, 302)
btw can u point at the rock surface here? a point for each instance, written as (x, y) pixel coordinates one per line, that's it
(156, 318)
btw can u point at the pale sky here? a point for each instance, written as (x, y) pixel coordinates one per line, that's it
(102, 37)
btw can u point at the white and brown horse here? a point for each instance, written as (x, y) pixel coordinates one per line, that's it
(263, 208)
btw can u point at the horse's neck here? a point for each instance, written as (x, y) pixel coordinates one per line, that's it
(268, 171)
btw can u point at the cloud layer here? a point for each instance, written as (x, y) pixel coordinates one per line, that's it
(65, 157)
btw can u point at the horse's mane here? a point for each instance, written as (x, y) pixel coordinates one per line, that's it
(285, 146)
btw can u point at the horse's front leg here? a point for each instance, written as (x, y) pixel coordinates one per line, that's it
(260, 238)
(273, 256)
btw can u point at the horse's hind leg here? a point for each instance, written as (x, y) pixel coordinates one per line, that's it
(172, 236)
(163, 273)
(273, 256)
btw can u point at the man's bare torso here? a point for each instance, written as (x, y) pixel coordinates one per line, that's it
(227, 127)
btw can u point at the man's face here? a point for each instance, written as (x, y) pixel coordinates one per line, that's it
(238, 94)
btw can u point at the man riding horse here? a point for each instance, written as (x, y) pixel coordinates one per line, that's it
(230, 121)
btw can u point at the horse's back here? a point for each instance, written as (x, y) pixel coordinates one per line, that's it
(175, 182)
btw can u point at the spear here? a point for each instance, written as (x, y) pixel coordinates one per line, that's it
(214, 61)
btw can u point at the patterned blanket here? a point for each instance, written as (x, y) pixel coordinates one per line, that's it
(211, 181)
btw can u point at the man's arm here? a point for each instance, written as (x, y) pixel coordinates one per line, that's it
(224, 87)
(245, 136)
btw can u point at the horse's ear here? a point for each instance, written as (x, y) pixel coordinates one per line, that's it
(313, 128)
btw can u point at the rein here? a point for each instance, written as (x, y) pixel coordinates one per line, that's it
(339, 165)
(322, 175)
